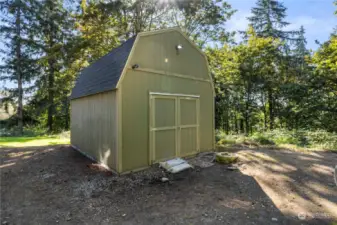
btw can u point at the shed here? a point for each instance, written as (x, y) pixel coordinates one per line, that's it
(149, 100)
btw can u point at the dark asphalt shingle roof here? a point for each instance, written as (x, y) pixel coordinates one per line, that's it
(103, 75)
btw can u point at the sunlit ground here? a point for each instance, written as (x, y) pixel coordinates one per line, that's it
(32, 141)
(300, 184)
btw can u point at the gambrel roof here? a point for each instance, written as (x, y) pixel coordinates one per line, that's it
(107, 72)
(103, 75)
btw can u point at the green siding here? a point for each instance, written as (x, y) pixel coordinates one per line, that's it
(151, 52)
(94, 128)
(135, 112)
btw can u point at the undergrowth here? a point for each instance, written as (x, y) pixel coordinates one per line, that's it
(299, 139)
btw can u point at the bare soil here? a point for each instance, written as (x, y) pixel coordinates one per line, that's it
(57, 185)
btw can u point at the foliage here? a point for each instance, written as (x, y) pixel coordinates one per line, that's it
(268, 81)
(243, 74)
(268, 19)
(19, 65)
(300, 139)
(203, 20)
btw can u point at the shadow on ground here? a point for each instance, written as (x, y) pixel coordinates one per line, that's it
(54, 185)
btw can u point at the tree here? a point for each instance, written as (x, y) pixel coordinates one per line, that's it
(203, 20)
(242, 75)
(268, 19)
(300, 51)
(95, 24)
(19, 65)
(55, 26)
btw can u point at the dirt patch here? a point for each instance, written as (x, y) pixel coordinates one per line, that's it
(55, 185)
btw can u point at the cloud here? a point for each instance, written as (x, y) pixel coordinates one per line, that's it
(315, 28)
(297, 22)
(238, 22)
(312, 25)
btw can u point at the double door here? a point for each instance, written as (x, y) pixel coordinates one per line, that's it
(174, 126)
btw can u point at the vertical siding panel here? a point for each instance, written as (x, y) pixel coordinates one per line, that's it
(94, 127)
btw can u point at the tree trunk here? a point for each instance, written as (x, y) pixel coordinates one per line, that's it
(242, 129)
(227, 122)
(236, 124)
(50, 94)
(138, 17)
(247, 108)
(66, 125)
(264, 110)
(271, 109)
(51, 74)
(18, 68)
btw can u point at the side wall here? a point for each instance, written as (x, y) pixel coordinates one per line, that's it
(94, 127)
(162, 69)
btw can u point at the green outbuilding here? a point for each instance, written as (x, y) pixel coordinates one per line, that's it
(149, 100)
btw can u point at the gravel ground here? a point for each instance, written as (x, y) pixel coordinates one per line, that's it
(57, 185)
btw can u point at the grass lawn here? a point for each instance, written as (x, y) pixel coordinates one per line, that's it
(33, 141)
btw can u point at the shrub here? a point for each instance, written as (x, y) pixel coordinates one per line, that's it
(318, 139)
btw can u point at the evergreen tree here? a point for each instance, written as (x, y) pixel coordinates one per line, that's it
(300, 52)
(19, 65)
(55, 28)
(268, 19)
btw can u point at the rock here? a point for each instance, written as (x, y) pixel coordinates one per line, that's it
(164, 179)
(5, 222)
(274, 219)
(68, 217)
(226, 157)
(124, 215)
(232, 168)
(331, 184)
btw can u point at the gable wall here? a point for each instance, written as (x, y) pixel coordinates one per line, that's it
(158, 52)
(184, 73)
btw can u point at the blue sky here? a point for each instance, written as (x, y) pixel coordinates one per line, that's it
(317, 17)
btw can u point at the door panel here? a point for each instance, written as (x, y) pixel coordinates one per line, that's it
(165, 112)
(165, 144)
(188, 113)
(163, 129)
(174, 126)
(188, 126)
(188, 141)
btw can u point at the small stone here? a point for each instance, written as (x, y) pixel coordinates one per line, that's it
(232, 168)
(68, 217)
(5, 222)
(274, 219)
(164, 179)
(124, 215)
(331, 184)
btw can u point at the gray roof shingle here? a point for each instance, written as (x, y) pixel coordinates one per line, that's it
(103, 75)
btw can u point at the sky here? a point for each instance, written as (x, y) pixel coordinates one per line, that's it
(317, 17)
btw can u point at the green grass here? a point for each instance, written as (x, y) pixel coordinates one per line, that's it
(33, 141)
(302, 140)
